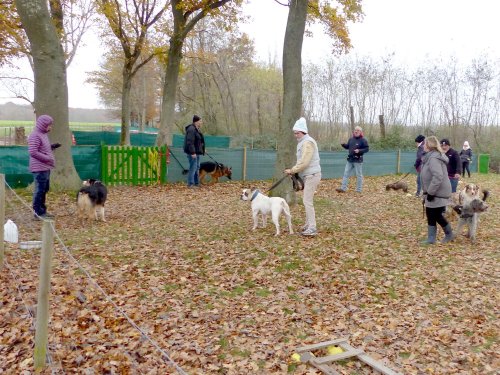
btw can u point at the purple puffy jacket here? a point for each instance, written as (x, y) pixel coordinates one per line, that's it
(39, 148)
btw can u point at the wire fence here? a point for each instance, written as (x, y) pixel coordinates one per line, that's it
(73, 306)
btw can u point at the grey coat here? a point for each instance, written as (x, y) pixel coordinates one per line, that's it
(435, 181)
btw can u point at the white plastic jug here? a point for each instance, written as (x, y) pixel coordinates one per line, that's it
(10, 233)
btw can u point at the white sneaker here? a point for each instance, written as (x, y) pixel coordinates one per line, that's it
(310, 232)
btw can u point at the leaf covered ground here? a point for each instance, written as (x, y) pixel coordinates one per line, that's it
(220, 299)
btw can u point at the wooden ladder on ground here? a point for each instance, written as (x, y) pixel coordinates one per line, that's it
(322, 363)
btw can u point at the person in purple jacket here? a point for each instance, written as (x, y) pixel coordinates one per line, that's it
(41, 162)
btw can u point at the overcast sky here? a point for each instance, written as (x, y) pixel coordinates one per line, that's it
(413, 29)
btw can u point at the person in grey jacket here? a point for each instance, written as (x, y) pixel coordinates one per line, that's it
(437, 190)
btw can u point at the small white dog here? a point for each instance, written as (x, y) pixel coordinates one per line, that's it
(264, 205)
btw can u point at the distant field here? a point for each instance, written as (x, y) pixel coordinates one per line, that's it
(9, 123)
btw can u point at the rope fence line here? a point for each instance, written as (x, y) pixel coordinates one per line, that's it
(165, 357)
(19, 215)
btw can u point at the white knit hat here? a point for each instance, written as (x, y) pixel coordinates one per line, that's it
(300, 125)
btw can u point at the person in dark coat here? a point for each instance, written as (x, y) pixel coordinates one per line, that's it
(357, 146)
(194, 147)
(466, 158)
(437, 190)
(454, 164)
(419, 141)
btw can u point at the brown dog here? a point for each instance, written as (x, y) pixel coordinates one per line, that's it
(215, 171)
(400, 185)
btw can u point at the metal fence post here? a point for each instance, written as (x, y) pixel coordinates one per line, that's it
(42, 309)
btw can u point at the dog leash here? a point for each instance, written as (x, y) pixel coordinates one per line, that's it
(184, 170)
(298, 183)
(277, 183)
(406, 175)
(215, 161)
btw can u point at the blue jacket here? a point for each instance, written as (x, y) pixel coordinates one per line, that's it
(354, 143)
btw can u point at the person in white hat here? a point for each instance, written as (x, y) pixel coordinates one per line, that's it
(466, 158)
(309, 169)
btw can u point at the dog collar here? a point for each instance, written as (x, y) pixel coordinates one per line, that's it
(255, 193)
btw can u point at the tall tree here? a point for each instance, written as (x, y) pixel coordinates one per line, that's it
(186, 14)
(292, 86)
(130, 21)
(335, 20)
(51, 89)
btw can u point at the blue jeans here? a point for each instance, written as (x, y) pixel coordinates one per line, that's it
(348, 171)
(194, 168)
(419, 184)
(42, 185)
(454, 184)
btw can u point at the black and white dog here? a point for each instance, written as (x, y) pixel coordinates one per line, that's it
(91, 199)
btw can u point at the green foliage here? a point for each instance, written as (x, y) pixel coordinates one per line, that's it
(396, 138)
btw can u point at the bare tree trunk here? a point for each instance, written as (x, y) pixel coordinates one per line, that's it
(170, 91)
(292, 88)
(382, 125)
(51, 89)
(125, 125)
(351, 111)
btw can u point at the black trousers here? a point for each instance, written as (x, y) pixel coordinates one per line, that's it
(435, 215)
(465, 165)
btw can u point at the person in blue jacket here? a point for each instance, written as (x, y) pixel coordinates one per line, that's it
(357, 146)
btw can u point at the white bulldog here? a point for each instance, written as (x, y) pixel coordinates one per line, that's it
(264, 205)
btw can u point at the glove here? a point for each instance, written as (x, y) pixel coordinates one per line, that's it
(55, 145)
(344, 145)
(430, 198)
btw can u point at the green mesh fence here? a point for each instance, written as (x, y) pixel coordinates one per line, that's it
(210, 141)
(14, 162)
(112, 138)
(260, 164)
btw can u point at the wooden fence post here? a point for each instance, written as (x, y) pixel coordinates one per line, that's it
(42, 309)
(398, 166)
(244, 166)
(2, 218)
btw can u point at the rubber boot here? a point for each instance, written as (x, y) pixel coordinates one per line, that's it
(431, 235)
(448, 234)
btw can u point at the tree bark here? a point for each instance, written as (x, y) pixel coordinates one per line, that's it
(170, 91)
(292, 91)
(126, 88)
(51, 89)
(181, 29)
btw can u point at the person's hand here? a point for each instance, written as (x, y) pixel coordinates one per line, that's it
(193, 156)
(344, 145)
(430, 197)
(288, 171)
(356, 151)
(457, 175)
(55, 145)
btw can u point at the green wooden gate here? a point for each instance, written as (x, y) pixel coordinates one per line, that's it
(134, 165)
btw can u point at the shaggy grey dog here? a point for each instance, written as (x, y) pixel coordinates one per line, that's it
(469, 215)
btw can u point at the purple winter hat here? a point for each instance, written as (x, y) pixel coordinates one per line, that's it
(43, 122)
